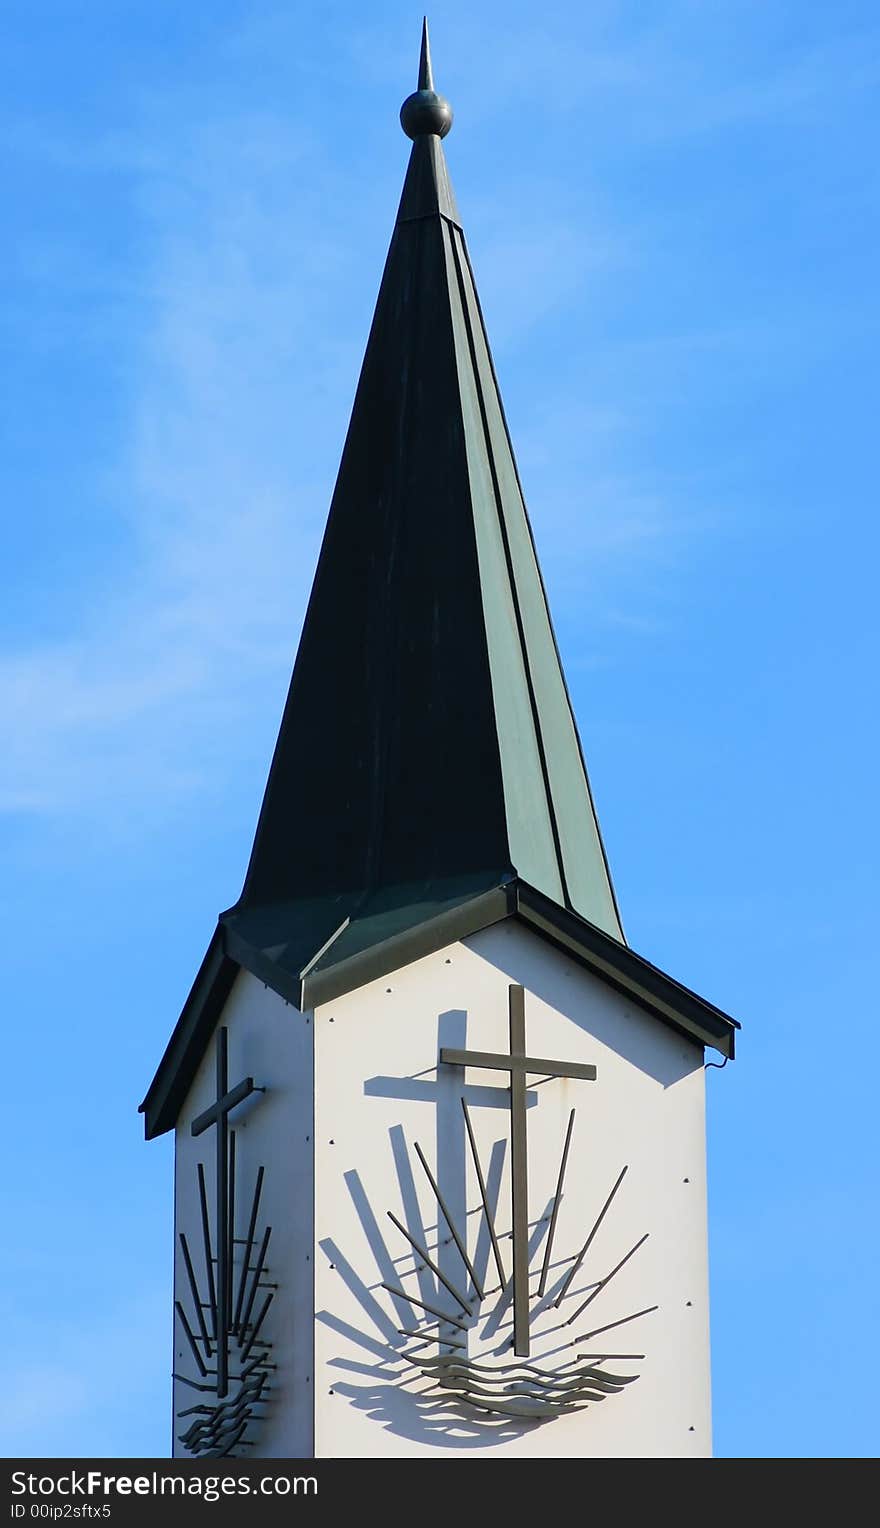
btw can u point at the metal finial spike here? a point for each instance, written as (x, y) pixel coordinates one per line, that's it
(426, 76)
(425, 111)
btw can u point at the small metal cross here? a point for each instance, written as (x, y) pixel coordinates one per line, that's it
(218, 1114)
(517, 1064)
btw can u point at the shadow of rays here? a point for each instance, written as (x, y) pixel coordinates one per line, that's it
(438, 1367)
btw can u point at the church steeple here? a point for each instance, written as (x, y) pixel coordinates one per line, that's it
(428, 749)
(428, 778)
(421, 1018)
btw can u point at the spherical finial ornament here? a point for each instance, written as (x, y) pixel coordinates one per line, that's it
(425, 112)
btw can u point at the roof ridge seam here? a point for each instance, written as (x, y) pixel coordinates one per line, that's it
(567, 693)
(511, 573)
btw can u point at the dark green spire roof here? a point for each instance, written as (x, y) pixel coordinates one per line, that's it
(428, 745)
(428, 778)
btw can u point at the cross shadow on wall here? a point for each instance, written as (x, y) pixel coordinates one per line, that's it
(434, 1359)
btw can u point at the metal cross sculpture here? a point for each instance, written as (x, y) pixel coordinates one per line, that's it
(518, 1065)
(218, 1114)
(231, 1334)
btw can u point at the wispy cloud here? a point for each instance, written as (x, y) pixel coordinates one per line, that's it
(222, 474)
(666, 74)
(250, 299)
(241, 376)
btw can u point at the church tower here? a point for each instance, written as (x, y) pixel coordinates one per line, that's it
(440, 1143)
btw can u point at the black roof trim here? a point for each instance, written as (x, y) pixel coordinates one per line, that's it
(263, 967)
(615, 963)
(190, 1039)
(629, 973)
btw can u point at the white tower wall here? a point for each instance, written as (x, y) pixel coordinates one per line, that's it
(272, 1042)
(377, 1093)
(353, 1088)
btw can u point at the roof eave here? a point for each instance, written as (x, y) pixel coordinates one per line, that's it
(189, 1039)
(614, 963)
(606, 957)
(630, 973)
(448, 927)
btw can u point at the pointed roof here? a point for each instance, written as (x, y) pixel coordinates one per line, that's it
(428, 740)
(428, 769)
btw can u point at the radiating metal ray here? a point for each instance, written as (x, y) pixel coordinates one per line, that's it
(603, 1283)
(585, 1337)
(200, 1365)
(194, 1291)
(556, 1202)
(607, 1358)
(245, 1352)
(249, 1247)
(257, 1275)
(256, 1363)
(182, 1379)
(589, 1241)
(425, 1336)
(450, 1221)
(206, 1237)
(423, 1305)
(490, 1222)
(410, 1200)
(429, 1262)
(483, 1244)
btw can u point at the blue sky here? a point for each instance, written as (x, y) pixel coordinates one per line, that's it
(673, 214)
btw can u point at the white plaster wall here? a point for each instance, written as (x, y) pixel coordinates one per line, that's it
(272, 1042)
(378, 1091)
